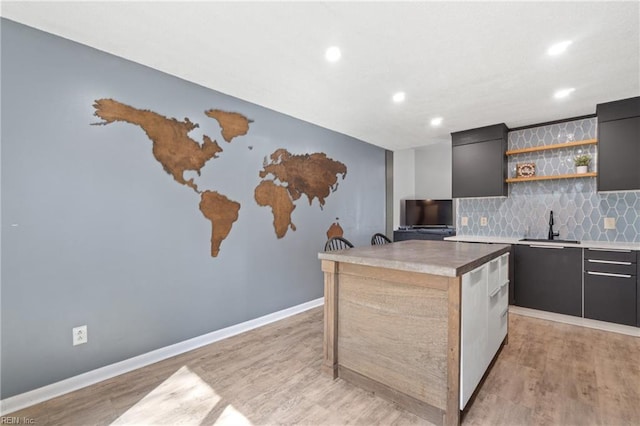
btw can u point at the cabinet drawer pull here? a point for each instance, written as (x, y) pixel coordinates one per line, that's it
(607, 274)
(504, 283)
(547, 247)
(504, 312)
(609, 262)
(616, 250)
(493, 294)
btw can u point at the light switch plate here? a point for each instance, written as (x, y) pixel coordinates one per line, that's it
(483, 221)
(609, 223)
(464, 221)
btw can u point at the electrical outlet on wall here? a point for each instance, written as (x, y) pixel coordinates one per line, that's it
(483, 221)
(80, 335)
(609, 223)
(464, 221)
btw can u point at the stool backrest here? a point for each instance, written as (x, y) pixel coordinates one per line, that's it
(337, 243)
(379, 238)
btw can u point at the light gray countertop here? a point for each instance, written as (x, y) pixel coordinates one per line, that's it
(446, 258)
(515, 240)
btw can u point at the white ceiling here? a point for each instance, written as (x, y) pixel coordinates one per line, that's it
(473, 63)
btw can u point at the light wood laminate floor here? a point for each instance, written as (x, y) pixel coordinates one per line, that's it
(548, 374)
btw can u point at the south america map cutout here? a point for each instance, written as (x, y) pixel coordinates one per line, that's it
(177, 153)
(314, 175)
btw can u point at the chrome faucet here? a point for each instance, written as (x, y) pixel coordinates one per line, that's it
(551, 233)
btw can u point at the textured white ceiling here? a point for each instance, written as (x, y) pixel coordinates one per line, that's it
(473, 63)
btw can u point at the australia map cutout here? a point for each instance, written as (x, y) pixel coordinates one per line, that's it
(335, 230)
(286, 177)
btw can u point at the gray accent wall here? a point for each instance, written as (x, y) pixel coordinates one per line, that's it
(95, 232)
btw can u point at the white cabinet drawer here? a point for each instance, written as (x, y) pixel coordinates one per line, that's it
(498, 273)
(497, 320)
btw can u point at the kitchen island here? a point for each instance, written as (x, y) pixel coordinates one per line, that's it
(417, 322)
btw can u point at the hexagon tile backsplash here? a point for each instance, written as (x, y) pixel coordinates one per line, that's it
(578, 210)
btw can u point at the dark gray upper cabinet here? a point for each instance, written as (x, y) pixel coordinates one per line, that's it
(479, 162)
(619, 145)
(549, 278)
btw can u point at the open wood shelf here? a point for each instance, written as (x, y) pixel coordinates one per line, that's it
(569, 176)
(554, 146)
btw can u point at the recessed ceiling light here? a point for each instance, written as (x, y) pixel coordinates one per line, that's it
(399, 97)
(559, 48)
(563, 93)
(436, 121)
(333, 54)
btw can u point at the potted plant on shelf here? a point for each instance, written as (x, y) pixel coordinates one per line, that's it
(582, 163)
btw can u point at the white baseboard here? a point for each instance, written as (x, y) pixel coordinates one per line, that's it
(583, 322)
(18, 402)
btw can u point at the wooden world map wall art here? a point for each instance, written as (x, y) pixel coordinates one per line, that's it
(313, 175)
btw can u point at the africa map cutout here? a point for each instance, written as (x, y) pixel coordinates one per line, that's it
(314, 175)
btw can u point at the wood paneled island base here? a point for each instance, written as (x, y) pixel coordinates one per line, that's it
(393, 322)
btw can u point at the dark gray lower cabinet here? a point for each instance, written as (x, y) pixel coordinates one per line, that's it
(549, 278)
(610, 298)
(423, 234)
(610, 286)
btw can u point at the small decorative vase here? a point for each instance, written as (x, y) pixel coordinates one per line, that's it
(582, 169)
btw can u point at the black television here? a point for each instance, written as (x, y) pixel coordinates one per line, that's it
(428, 213)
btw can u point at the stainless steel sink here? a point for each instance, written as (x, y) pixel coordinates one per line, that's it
(545, 240)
